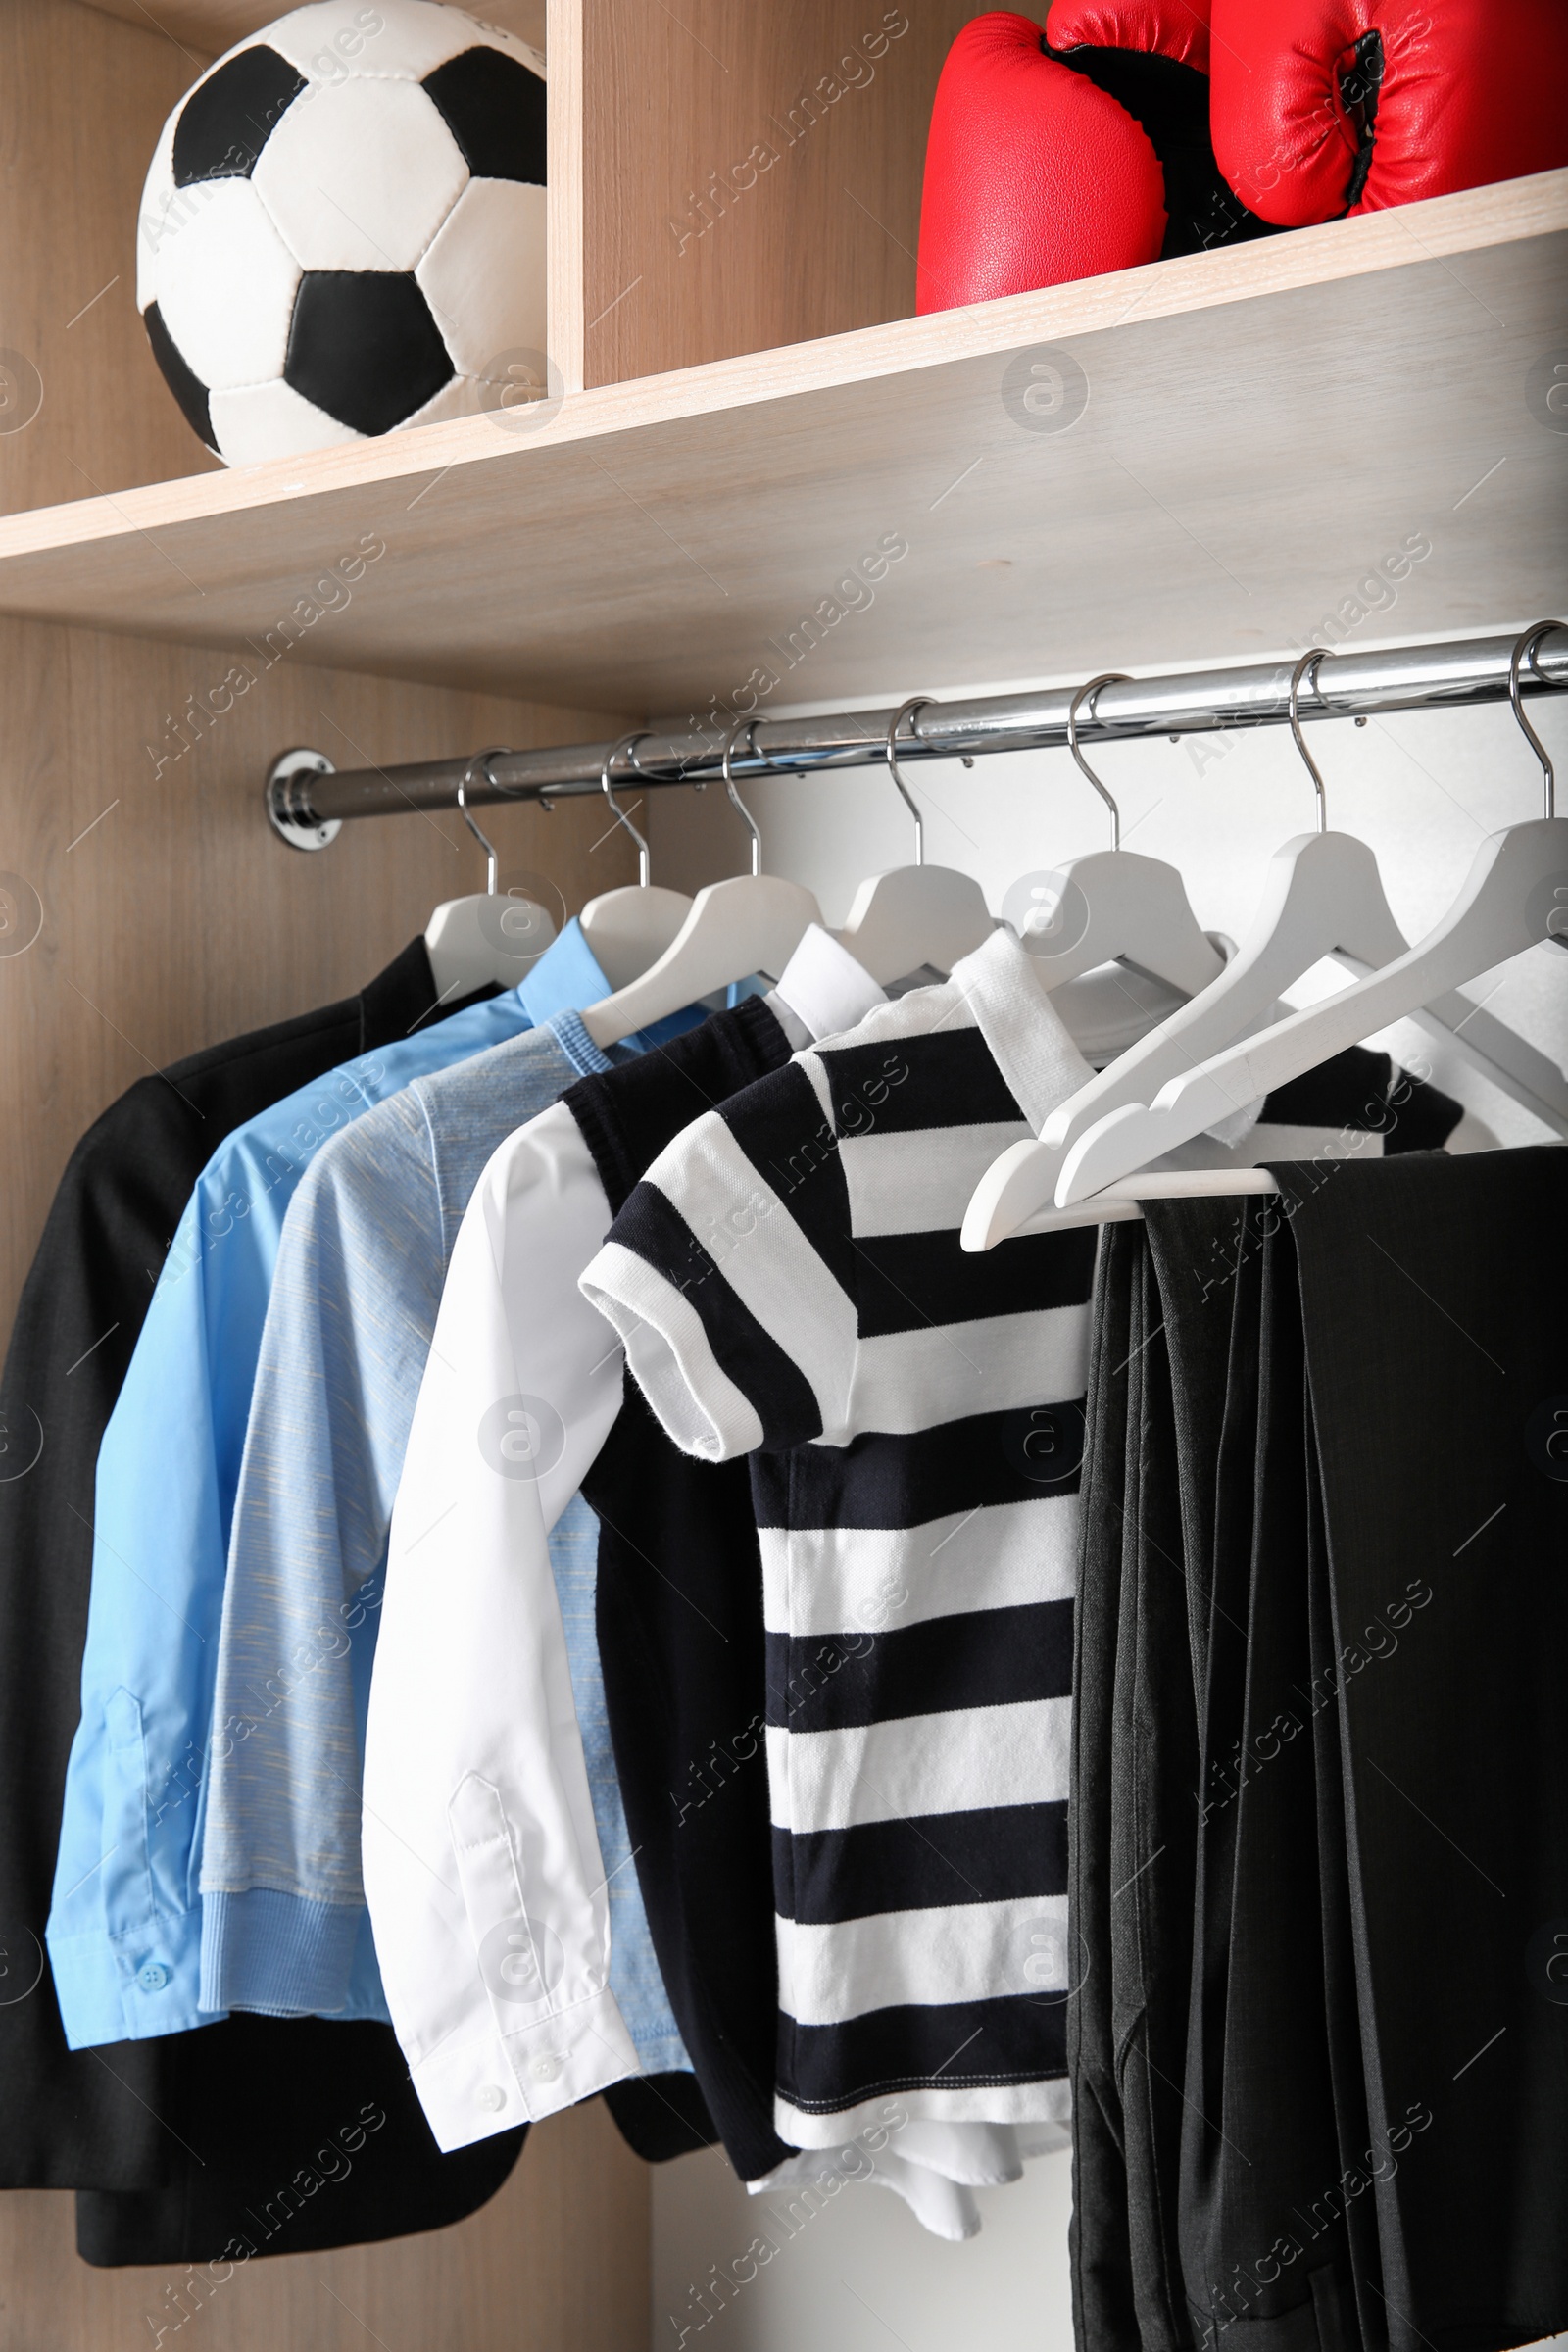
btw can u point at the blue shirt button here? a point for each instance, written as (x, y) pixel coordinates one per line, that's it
(153, 1978)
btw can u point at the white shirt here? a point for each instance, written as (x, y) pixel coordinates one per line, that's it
(481, 1863)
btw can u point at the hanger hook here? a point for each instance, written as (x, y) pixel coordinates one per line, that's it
(1308, 661)
(1525, 651)
(1111, 677)
(492, 875)
(917, 702)
(742, 727)
(627, 743)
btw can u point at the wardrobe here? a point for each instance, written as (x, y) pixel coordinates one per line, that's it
(752, 485)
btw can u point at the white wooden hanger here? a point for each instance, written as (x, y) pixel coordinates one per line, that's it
(1116, 906)
(1323, 897)
(627, 929)
(749, 924)
(1515, 897)
(483, 937)
(914, 914)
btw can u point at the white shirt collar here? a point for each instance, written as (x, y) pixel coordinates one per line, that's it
(1021, 1026)
(825, 989)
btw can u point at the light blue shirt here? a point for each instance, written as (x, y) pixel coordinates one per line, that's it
(125, 1928)
(355, 1296)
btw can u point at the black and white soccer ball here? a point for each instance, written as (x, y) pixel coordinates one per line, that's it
(343, 227)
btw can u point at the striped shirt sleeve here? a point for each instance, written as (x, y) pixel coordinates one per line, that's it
(728, 1274)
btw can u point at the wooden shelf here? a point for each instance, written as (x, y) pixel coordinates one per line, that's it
(210, 26)
(1264, 425)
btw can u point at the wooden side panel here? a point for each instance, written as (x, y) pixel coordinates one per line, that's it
(565, 215)
(751, 175)
(82, 405)
(558, 2262)
(167, 914)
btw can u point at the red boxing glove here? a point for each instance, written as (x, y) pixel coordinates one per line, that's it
(1060, 155)
(1323, 107)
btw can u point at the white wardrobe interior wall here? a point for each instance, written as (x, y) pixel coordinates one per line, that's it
(854, 2272)
(1424, 788)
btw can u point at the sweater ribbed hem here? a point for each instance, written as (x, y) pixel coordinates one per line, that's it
(284, 1955)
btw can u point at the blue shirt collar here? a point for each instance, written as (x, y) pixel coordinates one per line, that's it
(566, 978)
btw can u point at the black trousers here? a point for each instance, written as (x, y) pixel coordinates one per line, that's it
(1320, 1821)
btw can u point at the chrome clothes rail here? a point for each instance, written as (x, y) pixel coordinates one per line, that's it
(307, 799)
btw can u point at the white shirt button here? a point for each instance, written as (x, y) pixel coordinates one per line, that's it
(491, 2097)
(547, 2068)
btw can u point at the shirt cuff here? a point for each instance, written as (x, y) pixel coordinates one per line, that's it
(474, 2088)
(130, 1987)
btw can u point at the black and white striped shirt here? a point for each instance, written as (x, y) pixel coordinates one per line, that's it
(790, 1285)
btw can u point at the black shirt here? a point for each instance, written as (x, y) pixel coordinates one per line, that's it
(680, 1635)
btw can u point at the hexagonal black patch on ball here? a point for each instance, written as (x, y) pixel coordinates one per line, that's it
(180, 377)
(494, 110)
(363, 346)
(225, 124)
